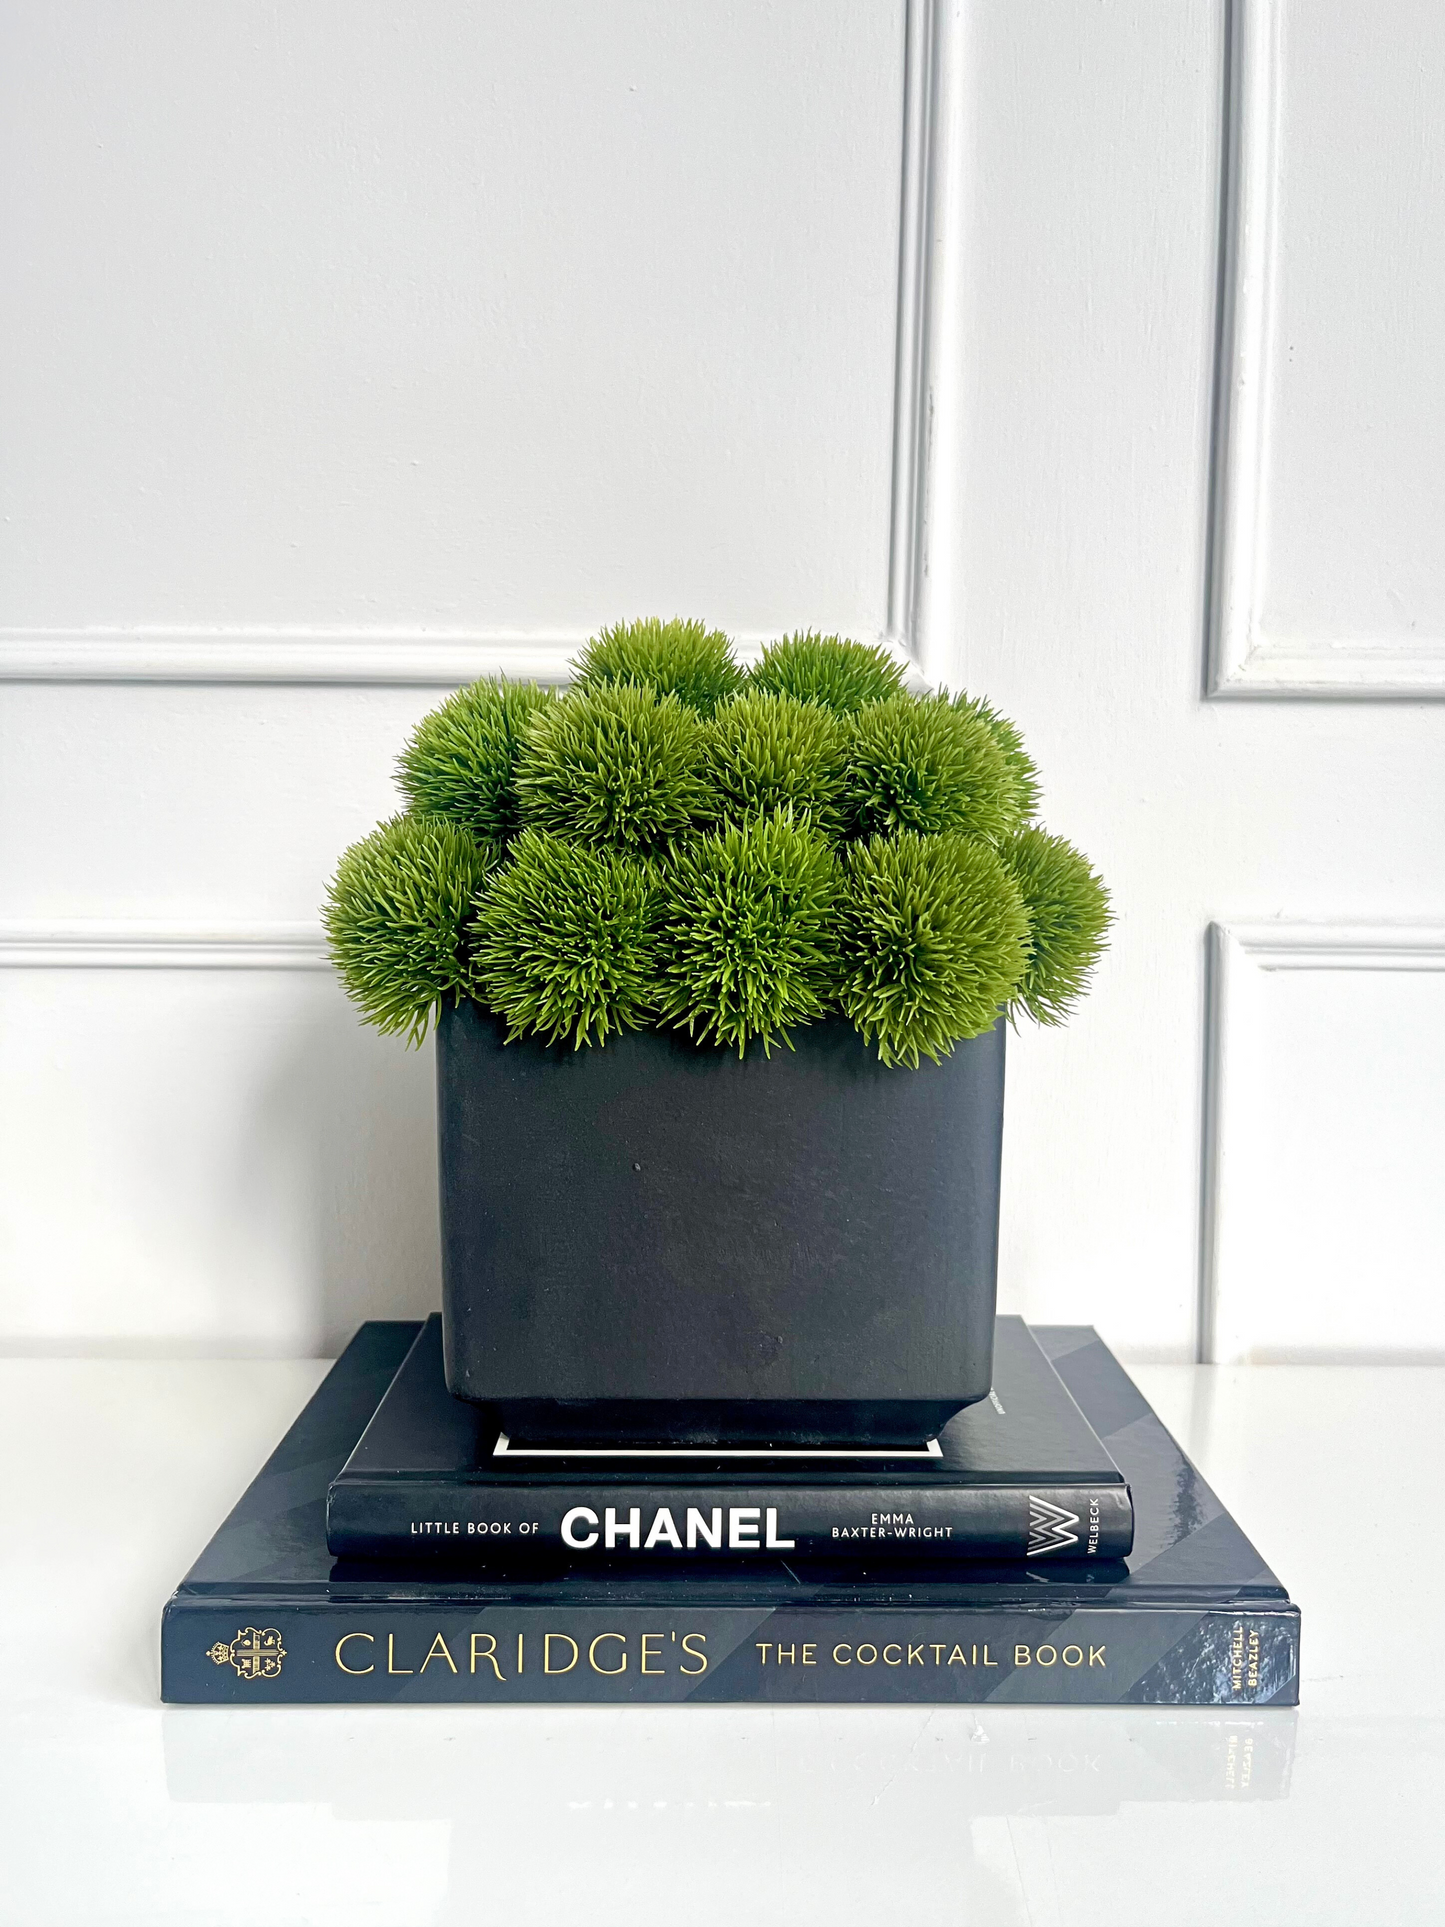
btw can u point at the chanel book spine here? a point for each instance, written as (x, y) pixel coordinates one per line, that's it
(444, 1521)
(255, 1651)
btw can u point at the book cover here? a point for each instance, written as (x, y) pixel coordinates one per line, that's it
(1021, 1474)
(1193, 1616)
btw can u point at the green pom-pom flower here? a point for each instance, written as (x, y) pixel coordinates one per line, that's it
(395, 914)
(934, 939)
(748, 936)
(1068, 909)
(461, 758)
(1023, 771)
(616, 765)
(683, 659)
(657, 846)
(840, 675)
(919, 764)
(770, 752)
(564, 941)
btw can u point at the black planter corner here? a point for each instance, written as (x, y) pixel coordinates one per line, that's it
(656, 1242)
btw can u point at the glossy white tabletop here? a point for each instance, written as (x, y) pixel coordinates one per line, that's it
(114, 1809)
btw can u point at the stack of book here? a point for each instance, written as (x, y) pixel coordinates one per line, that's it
(1053, 1545)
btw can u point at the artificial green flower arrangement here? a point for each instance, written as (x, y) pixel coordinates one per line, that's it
(677, 842)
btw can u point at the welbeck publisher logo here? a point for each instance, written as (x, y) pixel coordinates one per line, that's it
(1049, 1527)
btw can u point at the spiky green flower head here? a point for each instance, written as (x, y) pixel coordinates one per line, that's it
(395, 915)
(917, 763)
(618, 765)
(564, 941)
(1021, 766)
(839, 675)
(461, 758)
(684, 659)
(1069, 914)
(934, 935)
(749, 931)
(770, 752)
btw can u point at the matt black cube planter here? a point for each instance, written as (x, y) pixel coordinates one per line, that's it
(651, 1241)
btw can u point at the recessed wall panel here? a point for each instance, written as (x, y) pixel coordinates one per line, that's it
(210, 1159)
(1327, 1206)
(1330, 457)
(470, 317)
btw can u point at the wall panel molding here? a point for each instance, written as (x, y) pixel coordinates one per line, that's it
(428, 657)
(1243, 659)
(399, 657)
(1237, 954)
(917, 624)
(416, 658)
(145, 945)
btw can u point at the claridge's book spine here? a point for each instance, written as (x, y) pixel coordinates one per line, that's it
(255, 1652)
(433, 1520)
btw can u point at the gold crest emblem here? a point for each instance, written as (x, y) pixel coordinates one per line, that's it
(256, 1653)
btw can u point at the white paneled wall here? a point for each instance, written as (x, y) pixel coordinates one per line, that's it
(1085, 354)
(1324, 1207)
(1324, 1201)
(356, 322)
(1098, 356)
(199, 1146)
(349, 351)
(1331, 566)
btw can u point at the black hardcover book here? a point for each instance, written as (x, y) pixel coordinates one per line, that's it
(1021, 1475)
(1193, 1616)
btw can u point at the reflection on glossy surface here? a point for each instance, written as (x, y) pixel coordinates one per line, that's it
(866, 1805)
(529, 1770)
(112, 1809)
